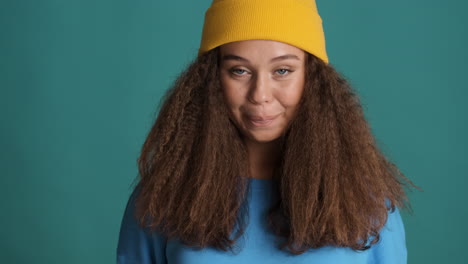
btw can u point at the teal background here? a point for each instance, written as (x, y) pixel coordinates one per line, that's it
(81, 82)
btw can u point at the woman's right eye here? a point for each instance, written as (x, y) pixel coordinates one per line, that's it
(238, 71)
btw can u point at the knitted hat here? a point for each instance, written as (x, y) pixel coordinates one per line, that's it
(295, 22)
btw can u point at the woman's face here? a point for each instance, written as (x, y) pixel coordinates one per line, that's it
(262, 83)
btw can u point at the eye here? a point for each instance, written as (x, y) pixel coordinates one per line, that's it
(283, 71)
(237, 71)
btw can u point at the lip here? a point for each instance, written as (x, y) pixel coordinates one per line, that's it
(261, 121)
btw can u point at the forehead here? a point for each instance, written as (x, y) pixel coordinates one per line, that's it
(259, 49)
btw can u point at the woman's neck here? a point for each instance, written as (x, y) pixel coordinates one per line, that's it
(263, 158)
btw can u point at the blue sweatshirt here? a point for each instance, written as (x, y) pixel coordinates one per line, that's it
(258, 244)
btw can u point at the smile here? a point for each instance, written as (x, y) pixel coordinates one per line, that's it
(261, 121)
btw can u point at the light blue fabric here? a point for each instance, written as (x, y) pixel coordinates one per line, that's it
(257, 244)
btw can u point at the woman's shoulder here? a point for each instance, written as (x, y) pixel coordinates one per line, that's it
(391, 247)
(137, 244)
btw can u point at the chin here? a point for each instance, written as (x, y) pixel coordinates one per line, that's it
(264, 137)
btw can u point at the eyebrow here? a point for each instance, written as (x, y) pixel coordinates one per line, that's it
(239, 58)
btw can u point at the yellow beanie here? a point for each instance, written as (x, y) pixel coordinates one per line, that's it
(295, 22)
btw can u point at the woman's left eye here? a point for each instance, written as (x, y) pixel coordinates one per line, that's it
(283, 71)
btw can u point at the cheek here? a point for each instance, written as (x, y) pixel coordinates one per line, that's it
(233, 97)
(291, 95)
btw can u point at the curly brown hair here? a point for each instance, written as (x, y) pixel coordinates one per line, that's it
(335, 186)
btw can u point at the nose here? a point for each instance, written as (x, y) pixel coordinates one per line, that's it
(260, 90)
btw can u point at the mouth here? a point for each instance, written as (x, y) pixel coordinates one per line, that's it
(261, 121)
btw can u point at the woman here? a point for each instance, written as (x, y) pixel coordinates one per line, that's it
(261, 154)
